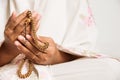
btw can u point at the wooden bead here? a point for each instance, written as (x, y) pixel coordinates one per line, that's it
(30, 23)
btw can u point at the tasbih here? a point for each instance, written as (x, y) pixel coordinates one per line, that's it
(30, 23)
(19, 72)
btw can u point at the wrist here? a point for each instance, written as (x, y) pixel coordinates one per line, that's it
(7, 53)
(63, 57)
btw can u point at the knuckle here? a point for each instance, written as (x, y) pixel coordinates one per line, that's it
(45, 59)
(12, 38)
(20, 24)
(5, 32)
(8, 36)
(10, 20)
(8, 31)
(13, 21)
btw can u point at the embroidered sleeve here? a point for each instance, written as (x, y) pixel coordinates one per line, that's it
(80, 37)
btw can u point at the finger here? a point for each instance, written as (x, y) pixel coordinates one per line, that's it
(21, 26)
(38, 25)
(45, 39)
(28, 54)
(42, 38)
(27, 44)
(36, 21)
(16, 20)
(20, 17)
(31, 48)
(31, 40)
(39, 44)
(39, 54)
(18, 30)
(27, 30)
(10, 19)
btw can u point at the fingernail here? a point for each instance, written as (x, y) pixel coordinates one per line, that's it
(13, 14)
(16, 43)
(28, 36)
(20, 37)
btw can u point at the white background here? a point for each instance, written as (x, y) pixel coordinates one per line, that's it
(107, 18)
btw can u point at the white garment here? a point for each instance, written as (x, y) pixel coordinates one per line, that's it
(87, 69)
(81, 69)
(68, 22)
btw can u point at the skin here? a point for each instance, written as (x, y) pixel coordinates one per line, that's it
(14, 40)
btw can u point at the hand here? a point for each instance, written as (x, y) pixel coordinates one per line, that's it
(51, 56)
(14, 27)
(7, 50)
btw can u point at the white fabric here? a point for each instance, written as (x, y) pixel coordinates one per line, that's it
(9, 71)
(81, 69)
(87, 69)
(68, 22)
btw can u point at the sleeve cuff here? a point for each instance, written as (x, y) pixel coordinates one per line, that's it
(80, 52)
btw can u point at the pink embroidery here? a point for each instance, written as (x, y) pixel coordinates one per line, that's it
(88, 20)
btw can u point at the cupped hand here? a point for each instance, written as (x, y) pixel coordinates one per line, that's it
(51, 56)
(14, 28)
(16, 25)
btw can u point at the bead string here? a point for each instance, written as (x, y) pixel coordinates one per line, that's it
(29, 72)
(29, 23)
